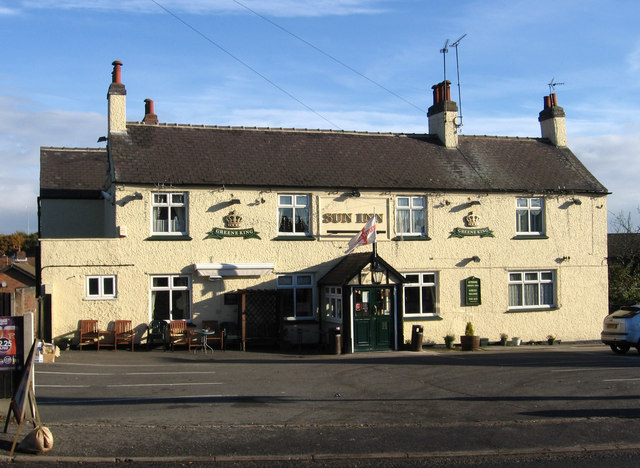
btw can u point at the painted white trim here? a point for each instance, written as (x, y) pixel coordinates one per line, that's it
(214, 270)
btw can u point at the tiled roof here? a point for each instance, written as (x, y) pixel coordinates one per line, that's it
(191, 155)
(72, 170)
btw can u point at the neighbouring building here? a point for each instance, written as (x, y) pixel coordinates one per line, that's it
(250, 226)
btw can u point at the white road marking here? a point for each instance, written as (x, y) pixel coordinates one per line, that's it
(165, 384)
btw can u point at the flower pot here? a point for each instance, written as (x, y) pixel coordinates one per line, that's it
(516, 341)
(469, 343)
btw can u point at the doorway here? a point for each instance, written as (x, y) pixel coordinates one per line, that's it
(373, 318)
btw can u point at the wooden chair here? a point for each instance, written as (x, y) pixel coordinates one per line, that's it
(180, 335)
(88, 332)
(157, 330)
(218, 337)
(123, 334)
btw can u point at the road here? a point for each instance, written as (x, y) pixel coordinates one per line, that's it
(410, 408)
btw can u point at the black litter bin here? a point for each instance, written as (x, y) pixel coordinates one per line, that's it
(335, 340)
(416, 337)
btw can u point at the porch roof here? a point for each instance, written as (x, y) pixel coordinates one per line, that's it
(353, 264)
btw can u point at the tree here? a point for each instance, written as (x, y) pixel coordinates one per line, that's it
(624, 261)
(11, 243)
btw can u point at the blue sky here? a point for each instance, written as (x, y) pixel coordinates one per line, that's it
(249, 62)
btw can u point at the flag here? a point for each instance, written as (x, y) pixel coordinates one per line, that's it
(367, 235)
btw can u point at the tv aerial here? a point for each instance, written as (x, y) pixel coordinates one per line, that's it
(444, 51)
(553, 84)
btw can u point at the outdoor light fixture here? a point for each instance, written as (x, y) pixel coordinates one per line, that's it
(576, 201)
(377, 273)
(475, 259)
(473, 202)
(355, 193)
(234, 201)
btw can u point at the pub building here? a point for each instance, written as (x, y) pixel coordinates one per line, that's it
(249, 227)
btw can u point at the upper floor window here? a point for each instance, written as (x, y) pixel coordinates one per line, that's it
(529, 215)
(531, 289)
(411, 216)
(295, 296)
(420, 294)
(293, 214)
(101, 287)
(170, 213)
(170, 297)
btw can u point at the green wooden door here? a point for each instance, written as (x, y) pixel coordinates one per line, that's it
(373, 318)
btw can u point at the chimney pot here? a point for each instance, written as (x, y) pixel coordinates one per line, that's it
(116, 76)
(554, 99)
(149, 112)
(547, 102)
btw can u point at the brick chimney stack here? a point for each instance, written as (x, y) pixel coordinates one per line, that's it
(552, 122)
(116, 97)
(442, 115)
(149, 114)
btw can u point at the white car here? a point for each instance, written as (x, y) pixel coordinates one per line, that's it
(621, 329)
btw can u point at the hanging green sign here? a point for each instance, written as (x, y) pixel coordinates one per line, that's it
(472, 294)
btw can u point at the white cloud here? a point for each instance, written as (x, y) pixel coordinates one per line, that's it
(280, 8)
(22, 132)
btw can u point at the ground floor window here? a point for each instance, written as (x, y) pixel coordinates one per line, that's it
(531, 289)
(101, 287)
(295, 296)
(333, 302)
(420, 294)
(170, 297)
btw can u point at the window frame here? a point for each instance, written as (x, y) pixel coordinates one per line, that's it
(333, 304)
(169, 205)
(411, 209)
(419, 285)
(294, 206)
(528, 281)
(295, 286)
(172, 288)
(529, 210)
(101, 295)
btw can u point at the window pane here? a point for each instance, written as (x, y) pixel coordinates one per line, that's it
(179, 305)
(304, 280)
(411, 300)
(403, 201)
(285, 280)
(301, 200)
(302, 219)
(181, 281)
(160, 305)
(418, 202)
(412, 278)
(403, 220)
(285, 215)
(521, 202)
(536, 221)
(430, 278)
(535, 202)
(547, 293)
(177, 198)
(515, 276)
(159, 198)
(178, 219)
(108, 287)
(286, 200)
(419, 222)
(522, 221)
(546, 275)
(94, 286)
(428, 300)
(531, 294)
(285, 297)
(160, 219)
(515, 295)
(303, 303)
(531, 276)
(160, 282)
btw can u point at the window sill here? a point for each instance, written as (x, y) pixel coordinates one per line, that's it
(294, 238)
(411, 238)
(169, 238)
(529, 236)
(533, 309)
(414, 318)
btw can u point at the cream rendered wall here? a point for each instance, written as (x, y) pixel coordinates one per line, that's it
(575, 231)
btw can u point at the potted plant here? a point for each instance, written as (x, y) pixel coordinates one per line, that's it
(503, 339)
(516, 341)
(551, 339)
(448, 340)
(469, 341)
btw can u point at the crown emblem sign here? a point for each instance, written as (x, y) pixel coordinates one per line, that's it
(472, 220)
(233, 220)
